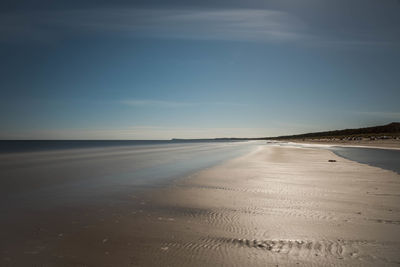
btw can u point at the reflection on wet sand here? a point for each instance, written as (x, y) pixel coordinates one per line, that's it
(275, 205)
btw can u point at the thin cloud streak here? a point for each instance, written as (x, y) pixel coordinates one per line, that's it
(173, 104)
(155, 103)
(381, 114)
(235, 24)
(254, 25)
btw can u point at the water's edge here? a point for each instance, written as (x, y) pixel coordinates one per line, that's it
(388, 159)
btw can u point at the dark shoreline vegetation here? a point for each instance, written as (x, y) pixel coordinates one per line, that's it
(389, 131)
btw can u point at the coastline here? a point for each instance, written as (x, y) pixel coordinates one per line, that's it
(379, 144)
(275, 205)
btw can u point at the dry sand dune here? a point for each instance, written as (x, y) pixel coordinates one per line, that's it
(275, 206)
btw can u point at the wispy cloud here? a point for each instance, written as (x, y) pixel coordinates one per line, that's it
(155, 103)
(256, 25)
(173, 104)
(235, 24)
(381, 114)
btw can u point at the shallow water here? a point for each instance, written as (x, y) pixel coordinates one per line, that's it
(82, 207)
(388, 159)
(44, 179)
(17, 146)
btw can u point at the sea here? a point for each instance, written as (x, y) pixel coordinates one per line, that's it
(385, 158)
(56, 173)
(388, 159)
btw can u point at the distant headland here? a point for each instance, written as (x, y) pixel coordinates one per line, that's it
(389, 131)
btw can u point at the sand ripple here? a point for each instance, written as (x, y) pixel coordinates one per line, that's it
(259, 252)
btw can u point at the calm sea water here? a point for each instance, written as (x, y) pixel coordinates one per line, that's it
(13, 146)
(44, 174)
(388, 159)
(383, 158)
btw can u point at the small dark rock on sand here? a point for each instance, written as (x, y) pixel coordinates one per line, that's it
(332, 160)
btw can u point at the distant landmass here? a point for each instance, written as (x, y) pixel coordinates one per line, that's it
(385, 131)
(391, 130)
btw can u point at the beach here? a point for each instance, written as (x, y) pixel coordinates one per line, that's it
(381, 143)
(200, 133)
(275, 205)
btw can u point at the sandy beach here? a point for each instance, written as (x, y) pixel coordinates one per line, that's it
(199, 133)
(282, 206)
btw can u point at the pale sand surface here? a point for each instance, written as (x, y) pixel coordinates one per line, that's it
(275, 206)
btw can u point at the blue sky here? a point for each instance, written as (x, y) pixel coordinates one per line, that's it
(165, 69)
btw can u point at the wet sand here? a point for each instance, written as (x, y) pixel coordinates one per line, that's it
(274, 206)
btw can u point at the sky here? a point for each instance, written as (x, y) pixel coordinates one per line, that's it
(196, 69)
